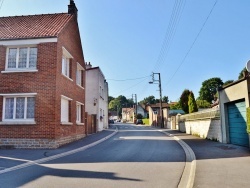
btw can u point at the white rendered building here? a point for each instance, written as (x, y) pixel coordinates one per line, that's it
(97, 96)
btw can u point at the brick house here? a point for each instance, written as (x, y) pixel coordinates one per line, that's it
(42, 80)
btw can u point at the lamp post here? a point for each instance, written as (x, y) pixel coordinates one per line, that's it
(159, 82)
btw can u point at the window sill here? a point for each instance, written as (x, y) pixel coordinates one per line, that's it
(17, 123)
(80, 86)
(19, 70)
(67, 77)
(78, 123)
(66, 123)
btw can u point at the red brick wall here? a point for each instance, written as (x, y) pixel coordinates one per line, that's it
(41, 82)
(69, 38)
(49, 84)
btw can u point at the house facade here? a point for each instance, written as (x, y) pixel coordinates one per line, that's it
(97, 96)
(154, 114)
(233, 102)
(128, 114)
(141, 110)
(42, 80)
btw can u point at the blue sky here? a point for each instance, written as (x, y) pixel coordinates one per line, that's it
(130, 39)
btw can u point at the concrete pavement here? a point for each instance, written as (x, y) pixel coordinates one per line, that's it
(217, 164)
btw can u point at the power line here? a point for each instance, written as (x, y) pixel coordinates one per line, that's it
(132, 86)
(192, 45)
(1, 4)
(128, 79)
(170, 32)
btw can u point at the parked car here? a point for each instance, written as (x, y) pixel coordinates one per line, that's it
(111, 121)
(139, 121)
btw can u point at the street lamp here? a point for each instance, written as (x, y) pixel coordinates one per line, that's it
(159, 81)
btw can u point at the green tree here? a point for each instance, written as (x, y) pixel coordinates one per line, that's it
(209, 88)
(139, 116)
(120, 102)
(202, 104)
(165, 99)
(184, 100)
(228, 82)
(148, 100)
(110, 98)
(192, 106)
(241, 75)
(176, 106)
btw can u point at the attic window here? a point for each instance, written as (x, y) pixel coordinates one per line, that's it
(21, 58)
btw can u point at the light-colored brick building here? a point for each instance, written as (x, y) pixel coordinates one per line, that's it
(42, 80)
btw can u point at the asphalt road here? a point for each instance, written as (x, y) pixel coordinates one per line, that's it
(136, 156)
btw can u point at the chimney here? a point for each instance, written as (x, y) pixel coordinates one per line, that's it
(72, 8)
(88, 66)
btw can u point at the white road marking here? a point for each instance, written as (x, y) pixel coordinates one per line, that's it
(39, 161)
(187, 178)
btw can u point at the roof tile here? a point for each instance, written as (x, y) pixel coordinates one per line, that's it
(32, 26)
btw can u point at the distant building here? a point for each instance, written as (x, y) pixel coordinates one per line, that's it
(97, 95)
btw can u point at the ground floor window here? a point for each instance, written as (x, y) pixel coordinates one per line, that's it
(18, 108)
(65, 109)
(79, 113)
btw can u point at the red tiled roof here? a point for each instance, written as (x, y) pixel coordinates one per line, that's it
(32, 26)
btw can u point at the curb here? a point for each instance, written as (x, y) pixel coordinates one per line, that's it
(188, 175)
(57, 156)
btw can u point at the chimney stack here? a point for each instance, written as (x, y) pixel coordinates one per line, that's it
(88, 66)
(72, 8)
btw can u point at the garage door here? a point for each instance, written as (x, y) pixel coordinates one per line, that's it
(237, 124)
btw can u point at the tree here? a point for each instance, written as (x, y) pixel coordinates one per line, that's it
(165, 99)
(184, 100)
(120, 102)
(209, 88)
(110, 98)
(139, 116)
(192, 106)
(148, 100)
(176, 106)
(241, 75)
(228, 82)
(202, 104)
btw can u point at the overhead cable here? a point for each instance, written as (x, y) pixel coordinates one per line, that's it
(192, 45)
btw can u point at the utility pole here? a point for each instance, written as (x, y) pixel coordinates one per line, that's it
(135, 102)
(159, 82)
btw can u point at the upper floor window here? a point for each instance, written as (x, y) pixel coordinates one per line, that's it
(21, 58)
(66, 66)
(66, 63)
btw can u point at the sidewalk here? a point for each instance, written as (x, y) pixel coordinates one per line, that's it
(13, 157)
(217, 164)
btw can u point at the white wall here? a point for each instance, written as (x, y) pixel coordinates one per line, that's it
(209, 128)
(230, 94)
(97, 92)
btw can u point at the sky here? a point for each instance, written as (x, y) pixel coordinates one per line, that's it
(186, 41)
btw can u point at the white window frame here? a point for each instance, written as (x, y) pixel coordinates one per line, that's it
(79, 76)
(25, 120)
(67, 122)
(66, 66)
(16, 69)
(79, 113)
